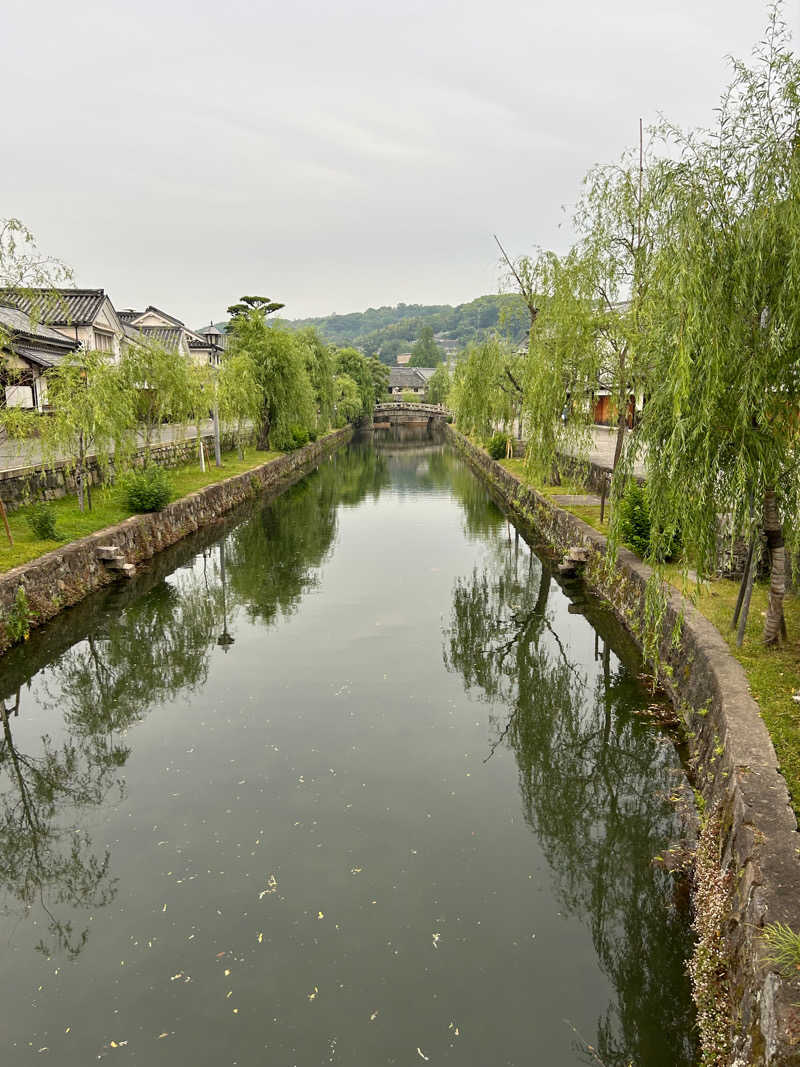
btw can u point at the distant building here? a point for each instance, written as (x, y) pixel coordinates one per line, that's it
(86, 316)
(403, 359)
(156, 325)
(28, 350)
(409, 379)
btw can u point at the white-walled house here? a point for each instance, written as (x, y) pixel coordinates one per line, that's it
(86, 316)
(164, 329)
(27, 350)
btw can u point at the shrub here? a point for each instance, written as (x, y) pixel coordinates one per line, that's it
(636, 524)
(299, 437)
(497, 445)
(19, 617)
(313, 434)
(42, 520)
(147, 490)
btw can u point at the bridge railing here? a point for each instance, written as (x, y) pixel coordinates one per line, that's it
(423, 409)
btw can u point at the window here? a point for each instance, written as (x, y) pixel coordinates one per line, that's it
(103, 342)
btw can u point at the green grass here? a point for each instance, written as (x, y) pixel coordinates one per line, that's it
(589, 513)
(109, 508)
(773, 673)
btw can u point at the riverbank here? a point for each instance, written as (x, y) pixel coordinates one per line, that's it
(749, 876)
(109, 507)
(35, 591)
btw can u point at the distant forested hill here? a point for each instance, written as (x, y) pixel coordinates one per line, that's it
(386, 331)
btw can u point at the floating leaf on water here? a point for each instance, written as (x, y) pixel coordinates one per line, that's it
(260, 938)
(313, 996)
(419, 1050)
(320, 915)
(373, 1017)
(165, 1034)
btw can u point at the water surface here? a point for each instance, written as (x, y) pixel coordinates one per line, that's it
(349, 779)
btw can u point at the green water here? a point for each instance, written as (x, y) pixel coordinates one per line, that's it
(347, 780)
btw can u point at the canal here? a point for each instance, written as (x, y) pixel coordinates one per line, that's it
(349, 779)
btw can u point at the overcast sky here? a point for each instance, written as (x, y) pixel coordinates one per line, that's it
(332, 155)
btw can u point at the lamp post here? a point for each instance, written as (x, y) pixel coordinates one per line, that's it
(225, 639)
(214, 339)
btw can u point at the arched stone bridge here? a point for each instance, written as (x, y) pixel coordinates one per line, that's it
(401, 413)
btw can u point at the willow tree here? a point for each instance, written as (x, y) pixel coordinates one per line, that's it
(93, 415)
(350, 362)
(26, 272)
(347, 401)
(159, 381)
(487, 388)
(587, 333)
(320, 369)
(285, 393)
(438, 385)
(721, 425)
(239, 401)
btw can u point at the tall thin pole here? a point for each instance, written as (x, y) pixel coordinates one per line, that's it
(217, 446)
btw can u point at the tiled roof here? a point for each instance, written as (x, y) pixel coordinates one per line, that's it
(167, 336)
(408, 377)
(32, 341)
(128, 315)
(163, 314)
(74, 307)
(16, 321)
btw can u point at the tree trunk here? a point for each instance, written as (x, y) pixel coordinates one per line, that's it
(774, 624)
(79, 473)
(262, 433)
(621, 426)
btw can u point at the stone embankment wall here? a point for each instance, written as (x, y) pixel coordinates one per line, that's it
(66, 575)
(18, 485)
(750, 844)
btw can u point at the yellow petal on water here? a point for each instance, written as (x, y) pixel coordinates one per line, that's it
(320, 915)
(113, 1044)
(165, 1034)
(164, 908)
(373, 1017)
(260, 938)
(313, 996)
(229, 994)
(419, 1050)
(235, 1011)
(67, 1029)
(175, 977)
(227, 972)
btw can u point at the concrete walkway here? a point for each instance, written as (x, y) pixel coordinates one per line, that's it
(605, 441)
(28, 453)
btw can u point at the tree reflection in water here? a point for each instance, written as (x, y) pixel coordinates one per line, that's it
(130, 662)
(45, 859)
(594, 781)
